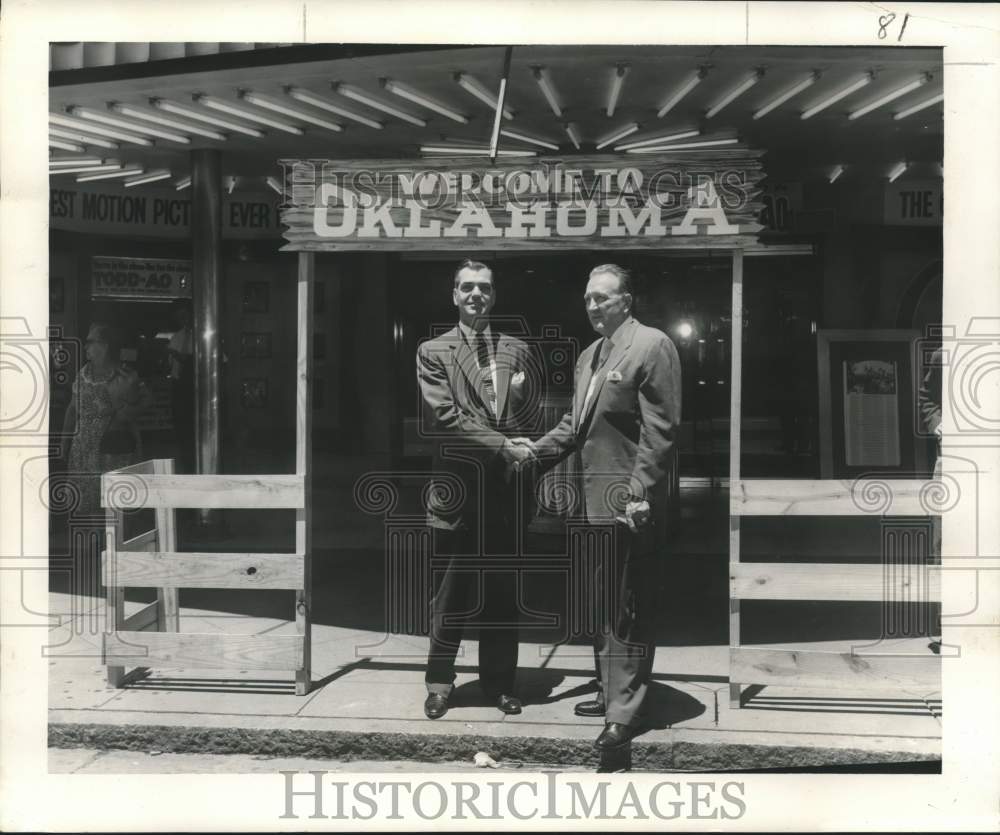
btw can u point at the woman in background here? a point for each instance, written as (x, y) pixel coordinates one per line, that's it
(100, 431)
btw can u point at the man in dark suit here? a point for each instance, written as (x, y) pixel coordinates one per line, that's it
(476, 386)
(621, 427)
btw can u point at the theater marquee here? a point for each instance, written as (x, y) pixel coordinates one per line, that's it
(691, 199)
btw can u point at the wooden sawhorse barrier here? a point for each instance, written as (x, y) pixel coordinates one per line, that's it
(900, 581)
(903, 579)
(152, 559)
(151, 637)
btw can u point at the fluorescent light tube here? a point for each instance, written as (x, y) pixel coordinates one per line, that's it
(273, 183)
(791, 91)
(473, 152)
(417, 97)
(76, 136)
(121, 172)
(183, 183)
(864, 81)
(471, 85)
(682, 91)
(621, 133)
(616, 88)
(306, 97)
(192, 113)
(149, 177)
(909, 111)
(897, 171)
(836, 173)
(103, 118)
(58, 161)
(87, 169)
(66, 146)
(278, 107)
(657, 140)
(545, 85)
(735, 93)
(243, 113)
(510, 134)
(888, 97)
(573, 134)
(78, 124)
(708, 143)
(365, 98)
(156, 119)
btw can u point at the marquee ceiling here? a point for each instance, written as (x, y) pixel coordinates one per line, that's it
(580, 79)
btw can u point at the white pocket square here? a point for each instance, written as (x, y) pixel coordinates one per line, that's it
(614, 377)
(517, 378)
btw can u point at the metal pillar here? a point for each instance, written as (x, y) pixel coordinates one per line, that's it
(206, 256)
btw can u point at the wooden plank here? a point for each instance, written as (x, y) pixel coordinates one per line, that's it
(827, 497)
(204, 651)
(114, 609)
(695, 243)
(194, 570)
(833, 581)
(147, 616)
(303, 462)
(825, 405)
(146, 541)
(735, 450)
(838, 671)
(166, 526)
(128, 492)
(142, 468)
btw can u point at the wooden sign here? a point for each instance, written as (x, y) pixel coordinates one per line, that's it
(688, 199)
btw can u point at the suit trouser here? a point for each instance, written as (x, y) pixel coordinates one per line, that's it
(466, 593)
(625, 640)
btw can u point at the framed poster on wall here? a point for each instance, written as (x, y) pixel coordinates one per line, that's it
(867, 404)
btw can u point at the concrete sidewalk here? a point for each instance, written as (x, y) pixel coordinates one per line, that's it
(367, 704)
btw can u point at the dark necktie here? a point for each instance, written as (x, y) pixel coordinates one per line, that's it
(485, 372)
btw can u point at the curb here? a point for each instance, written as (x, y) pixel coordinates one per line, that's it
(673, 755)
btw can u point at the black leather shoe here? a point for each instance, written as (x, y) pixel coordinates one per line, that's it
(615, 736)
(435, 706)
(593, 707)
(508, 704)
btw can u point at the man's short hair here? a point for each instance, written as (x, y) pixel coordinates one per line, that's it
(475, 266)
(624, 276)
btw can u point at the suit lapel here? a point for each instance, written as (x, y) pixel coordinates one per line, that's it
(586, 362)
(464, 358)
(622, 342)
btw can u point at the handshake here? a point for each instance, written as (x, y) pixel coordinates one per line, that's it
(518, 453)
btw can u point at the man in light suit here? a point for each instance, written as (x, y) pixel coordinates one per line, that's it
(477, 387)
(621, 427)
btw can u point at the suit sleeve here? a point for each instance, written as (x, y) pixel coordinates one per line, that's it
(443, 415)
(557, 443)
(660, 411)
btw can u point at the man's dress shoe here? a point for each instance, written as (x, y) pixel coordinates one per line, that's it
(435, 706)
(592, 707)
(615, 736)
(508, 704)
